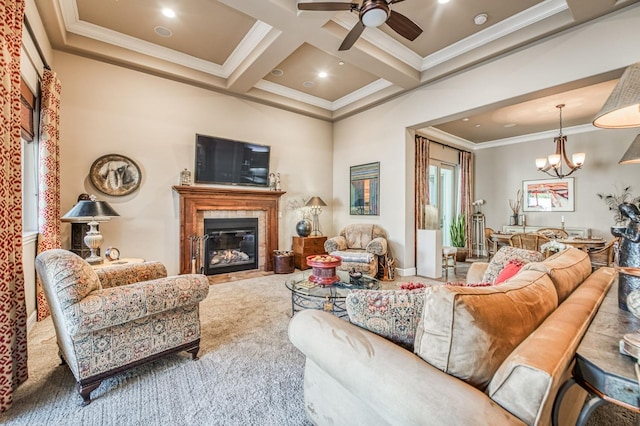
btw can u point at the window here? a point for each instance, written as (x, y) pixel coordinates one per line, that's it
(28, 120)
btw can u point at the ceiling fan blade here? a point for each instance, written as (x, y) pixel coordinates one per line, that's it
(353, 35)
(327, 6)
(403, 26)
(395, 1)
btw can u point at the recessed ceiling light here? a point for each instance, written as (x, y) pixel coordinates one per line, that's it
(477, 125)
(465, 119)
(341, 63)
(277, 72)
(162, 31)
(322, 74)
(510, 125)
(443, 1)
(308, 84)
(480, 18)
(169, 13)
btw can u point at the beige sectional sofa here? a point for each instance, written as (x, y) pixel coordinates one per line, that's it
(483, 355)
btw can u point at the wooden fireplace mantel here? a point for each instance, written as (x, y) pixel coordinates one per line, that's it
(195, 199)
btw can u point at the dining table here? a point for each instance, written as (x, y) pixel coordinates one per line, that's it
(499, 239)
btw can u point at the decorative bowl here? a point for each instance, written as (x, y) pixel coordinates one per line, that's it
(324, 269)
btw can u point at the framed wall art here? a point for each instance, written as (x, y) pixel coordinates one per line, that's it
(548, 195)
(115, 175)
(365, 189)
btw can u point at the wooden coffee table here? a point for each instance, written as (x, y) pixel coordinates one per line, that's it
(330, 298)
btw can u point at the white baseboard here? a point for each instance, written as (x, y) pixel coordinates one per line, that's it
(405, 272)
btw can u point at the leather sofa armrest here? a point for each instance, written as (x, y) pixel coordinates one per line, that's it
(399, 386)
(335, 244)
(117, 275)
(377, 246)
(476, 272)
(118, 305)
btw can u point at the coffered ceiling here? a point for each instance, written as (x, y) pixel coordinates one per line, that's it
(269, 51)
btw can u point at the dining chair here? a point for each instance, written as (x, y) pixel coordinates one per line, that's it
(488, 242)
(604, 256)
(528, 241)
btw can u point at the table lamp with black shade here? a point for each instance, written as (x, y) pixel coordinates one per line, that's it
(92, 209)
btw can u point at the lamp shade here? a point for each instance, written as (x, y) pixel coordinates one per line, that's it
(622, 108)
(315, 202)
(88, 208)
(632, 156)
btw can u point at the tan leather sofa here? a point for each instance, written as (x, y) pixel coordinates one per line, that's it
(355, 377)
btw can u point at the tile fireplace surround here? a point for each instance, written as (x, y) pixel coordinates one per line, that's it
(200, 202)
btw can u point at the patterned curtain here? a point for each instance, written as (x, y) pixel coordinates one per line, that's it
(13, 313)
(421, 180)
(466, 192)
(49, 184)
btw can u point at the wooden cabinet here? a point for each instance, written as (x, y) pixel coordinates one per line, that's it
(306, 246)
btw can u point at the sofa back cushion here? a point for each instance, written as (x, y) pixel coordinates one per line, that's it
(359, 235)
(567, 270)
(504, 256)
(469, 331)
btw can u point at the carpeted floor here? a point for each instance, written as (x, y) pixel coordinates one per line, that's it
(248, 373)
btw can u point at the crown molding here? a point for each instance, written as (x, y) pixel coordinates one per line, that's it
(352, 97)
(503, 28)
(549, 134)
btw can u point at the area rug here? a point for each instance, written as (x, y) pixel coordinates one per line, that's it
(248, 373)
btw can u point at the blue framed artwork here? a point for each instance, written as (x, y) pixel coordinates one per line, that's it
(365, 189)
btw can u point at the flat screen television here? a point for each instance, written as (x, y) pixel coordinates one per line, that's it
(230, 162)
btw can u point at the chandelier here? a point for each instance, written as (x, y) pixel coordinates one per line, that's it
(552, 165)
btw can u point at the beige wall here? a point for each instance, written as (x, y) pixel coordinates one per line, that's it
(380, 134)
(504, 169)
(109, 109)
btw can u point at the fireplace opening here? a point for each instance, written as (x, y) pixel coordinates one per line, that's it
(232, 245)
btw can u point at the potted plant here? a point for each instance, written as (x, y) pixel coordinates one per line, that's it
(458, 233)
(614, 200)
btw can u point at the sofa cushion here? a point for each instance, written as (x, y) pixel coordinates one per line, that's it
(392, 314)
(469, 331)
(502, 258)
(567, 270)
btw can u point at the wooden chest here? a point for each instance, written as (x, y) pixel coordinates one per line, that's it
(306, 246)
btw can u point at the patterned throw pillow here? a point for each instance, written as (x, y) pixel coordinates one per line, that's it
(392, 314)
(510, 270)
(502, 258)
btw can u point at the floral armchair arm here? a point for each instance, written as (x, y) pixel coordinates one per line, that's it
(335, 244)
(117, 275)
(117, 305)
(377, 246)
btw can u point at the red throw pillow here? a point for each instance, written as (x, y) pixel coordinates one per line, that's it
(509, 271)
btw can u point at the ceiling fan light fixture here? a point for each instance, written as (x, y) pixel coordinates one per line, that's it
(374, 13)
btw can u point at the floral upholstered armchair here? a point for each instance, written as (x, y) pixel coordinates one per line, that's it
(359, 245)
(119, 317)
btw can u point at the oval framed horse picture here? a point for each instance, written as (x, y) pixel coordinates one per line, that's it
(115, 175)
